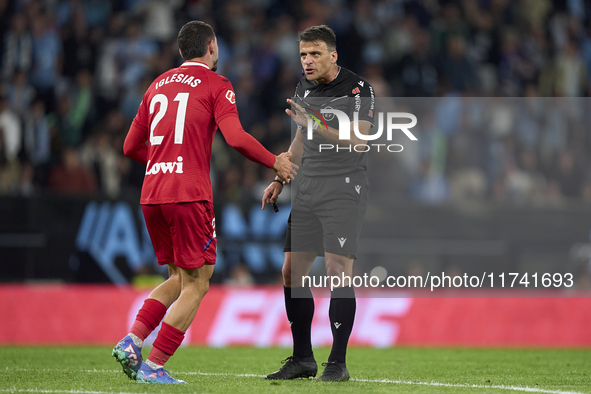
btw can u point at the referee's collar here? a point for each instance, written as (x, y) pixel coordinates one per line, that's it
(193, 63)
(336, 76)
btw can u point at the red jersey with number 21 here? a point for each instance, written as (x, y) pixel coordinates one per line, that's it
(180, 113)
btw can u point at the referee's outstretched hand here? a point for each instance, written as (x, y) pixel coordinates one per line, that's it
(282, 166)
(297, 113)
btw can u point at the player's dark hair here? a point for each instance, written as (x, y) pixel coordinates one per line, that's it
(194, 38)
(319, 33)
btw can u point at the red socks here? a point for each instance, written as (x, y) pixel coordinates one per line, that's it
(148, 318)
(168, 341)
(169, 338)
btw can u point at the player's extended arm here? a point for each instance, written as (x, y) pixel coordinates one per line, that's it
(135, 146)
(250, 148)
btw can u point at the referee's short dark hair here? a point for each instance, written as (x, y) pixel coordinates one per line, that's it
(194, 38)
(319, 33)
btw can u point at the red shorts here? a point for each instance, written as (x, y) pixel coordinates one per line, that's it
(183, 233)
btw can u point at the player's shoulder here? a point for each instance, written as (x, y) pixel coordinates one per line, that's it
(217, 82)
(160, 77)
(354, 82)
(215, 77)
(303, 85)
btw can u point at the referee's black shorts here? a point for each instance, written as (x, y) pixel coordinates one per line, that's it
(327, 214)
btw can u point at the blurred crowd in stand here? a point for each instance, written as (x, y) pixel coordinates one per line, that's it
(73, 72)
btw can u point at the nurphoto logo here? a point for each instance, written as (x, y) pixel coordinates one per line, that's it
(317, 119)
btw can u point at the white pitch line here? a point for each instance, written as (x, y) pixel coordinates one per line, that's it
(388, 381)
(467, 385)
(249, 375)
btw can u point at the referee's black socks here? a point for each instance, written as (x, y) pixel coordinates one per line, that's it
(299, 305)
(342, 315)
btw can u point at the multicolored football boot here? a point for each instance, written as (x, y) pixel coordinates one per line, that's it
(149, 375)
(129, 355)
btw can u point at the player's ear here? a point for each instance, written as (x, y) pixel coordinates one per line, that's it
(181, 53)
(334, 56)
(211, 47)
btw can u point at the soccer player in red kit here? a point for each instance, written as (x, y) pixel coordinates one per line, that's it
(172, 135)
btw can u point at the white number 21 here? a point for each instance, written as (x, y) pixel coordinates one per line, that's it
(179, 126)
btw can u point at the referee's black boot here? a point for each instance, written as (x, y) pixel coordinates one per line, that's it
(334, 372)
(294, 368)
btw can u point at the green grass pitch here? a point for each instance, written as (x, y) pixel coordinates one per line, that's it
(92, 370)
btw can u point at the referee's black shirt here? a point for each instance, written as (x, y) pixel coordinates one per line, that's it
(349, 93)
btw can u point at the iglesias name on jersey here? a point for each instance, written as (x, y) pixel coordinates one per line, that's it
(349, 93)
(179, 114)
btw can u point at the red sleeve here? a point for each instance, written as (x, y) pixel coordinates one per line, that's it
(245, 143)
(224, 101)
(135, 146)
(142, 117)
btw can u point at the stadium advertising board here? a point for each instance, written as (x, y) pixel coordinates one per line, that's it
(255, 317)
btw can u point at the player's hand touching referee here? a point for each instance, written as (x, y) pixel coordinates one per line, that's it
(282, 166)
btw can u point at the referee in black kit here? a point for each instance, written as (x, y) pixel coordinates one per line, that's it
(330, 202)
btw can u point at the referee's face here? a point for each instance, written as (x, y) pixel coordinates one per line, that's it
(318, 61)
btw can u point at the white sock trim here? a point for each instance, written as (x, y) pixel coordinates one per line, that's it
(153, 365)
(136, 340)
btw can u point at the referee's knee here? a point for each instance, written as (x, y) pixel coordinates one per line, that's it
(334, 270)
(335, 267)
(286, 274)
(286, 269)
